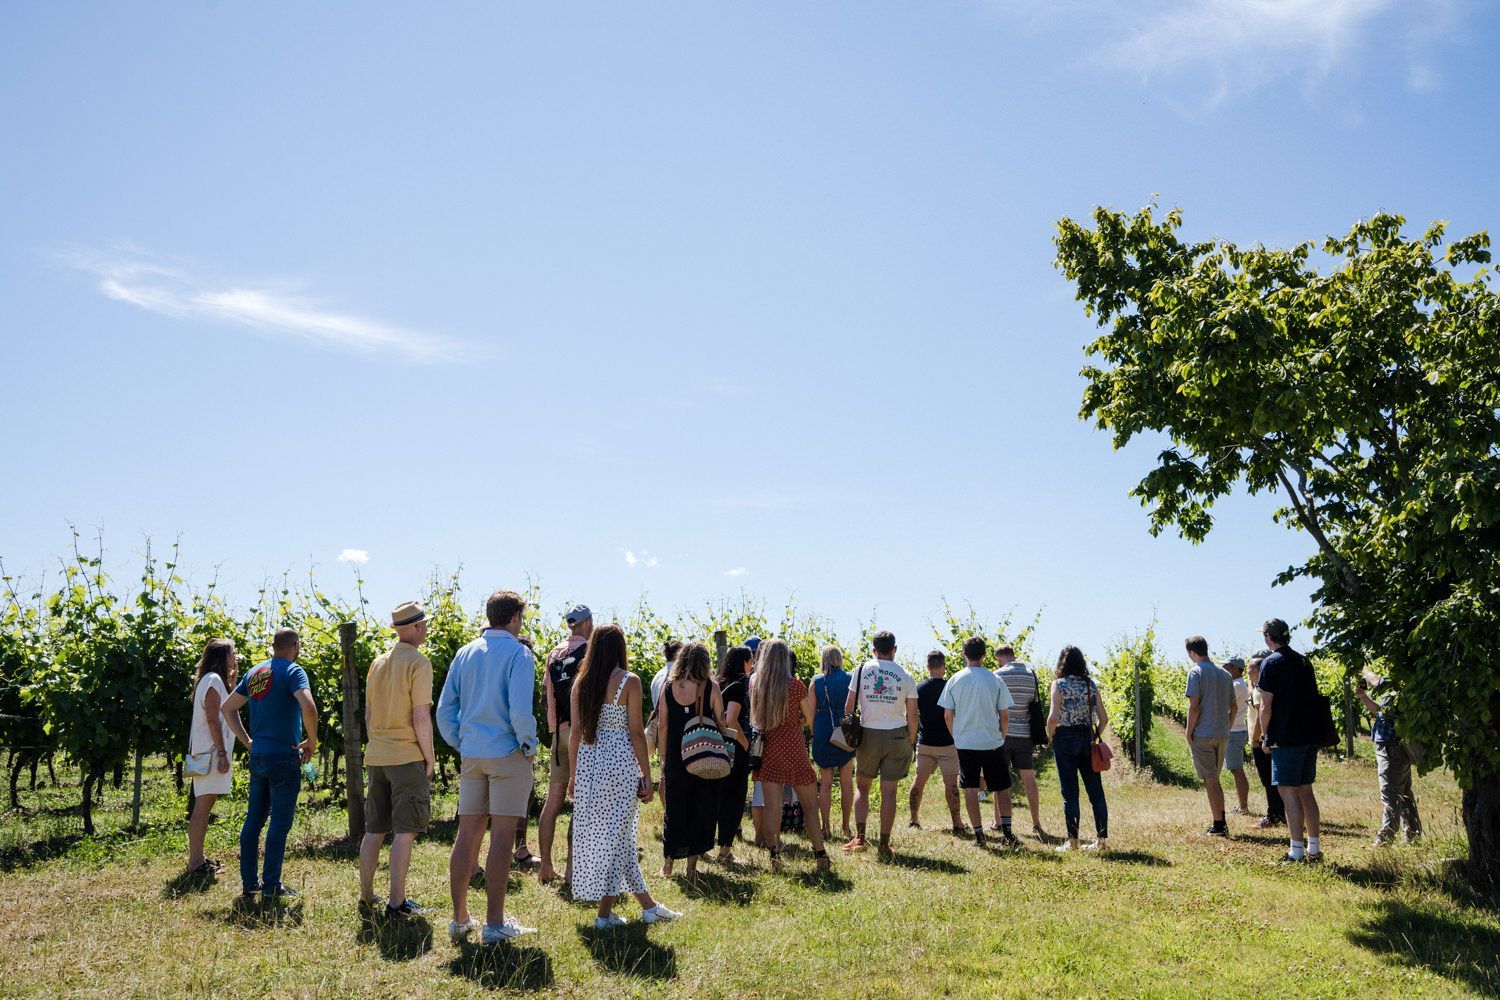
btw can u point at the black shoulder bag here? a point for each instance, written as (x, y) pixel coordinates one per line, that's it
(853, 730)
(1036, 716)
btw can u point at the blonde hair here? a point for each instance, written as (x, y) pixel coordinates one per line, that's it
(832, 658)
(770, 685)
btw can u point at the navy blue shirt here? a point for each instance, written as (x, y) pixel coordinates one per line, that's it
(275, 715)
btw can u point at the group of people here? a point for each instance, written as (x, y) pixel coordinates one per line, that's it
(974, 727)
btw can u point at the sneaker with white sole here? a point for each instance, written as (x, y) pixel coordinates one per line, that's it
(507, 931)
(610, 922)
(659, 914)
(458, 933)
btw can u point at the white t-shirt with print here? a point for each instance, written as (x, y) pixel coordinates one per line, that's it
(884, 689)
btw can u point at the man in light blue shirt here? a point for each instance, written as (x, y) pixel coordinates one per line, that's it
(486, 713)
(977, 706)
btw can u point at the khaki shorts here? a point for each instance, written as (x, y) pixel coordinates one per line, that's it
(1208, 755)
(399, 799)
(495, 786)
(557, 761)
(883, 754)
(944, 759)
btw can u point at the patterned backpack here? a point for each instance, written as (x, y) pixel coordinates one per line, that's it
(705, 754)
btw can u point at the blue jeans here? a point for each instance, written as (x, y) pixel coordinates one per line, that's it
(1070, 750)
(275, 780)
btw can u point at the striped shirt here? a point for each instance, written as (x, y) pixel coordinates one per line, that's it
(1023, 689)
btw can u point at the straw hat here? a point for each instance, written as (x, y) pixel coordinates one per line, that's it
(407, 613)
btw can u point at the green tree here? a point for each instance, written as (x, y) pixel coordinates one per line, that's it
(1360, 380)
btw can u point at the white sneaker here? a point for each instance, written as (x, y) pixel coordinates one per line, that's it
(508, 930)
(659, 914)
(610, 922)
(458, 933)
(1067, 847)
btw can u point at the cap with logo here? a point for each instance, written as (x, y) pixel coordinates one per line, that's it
(578, 613)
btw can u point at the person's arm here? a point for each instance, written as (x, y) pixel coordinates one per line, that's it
(637, 733)
(575, 736)
(1254, 714)
(911, 720)
(551, 698)
(716, 702)
(231, 712)
(421, 721)
(211, 705)
(309, 744)
(1004, 721)
(1194, 702)
(732, 725)
(448, 702)
(1364, 699)
(522, 689)
(1234, 707)
(948, 719)
(852, 696)
(1004, 702)
(1055, 714)
(1265, 714)
(1100, 712)
(661, 743)
(810, 706)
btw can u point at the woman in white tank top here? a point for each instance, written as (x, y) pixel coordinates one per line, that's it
(217, 673)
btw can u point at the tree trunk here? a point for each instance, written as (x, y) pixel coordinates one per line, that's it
(1481, 811)
(177, 771)
(135, 796)
(90, 778)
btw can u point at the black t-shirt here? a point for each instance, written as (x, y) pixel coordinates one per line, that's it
(562, 669)
(932, 727)
(1289, 679)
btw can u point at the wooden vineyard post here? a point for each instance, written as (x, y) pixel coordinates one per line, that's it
(354, 765)
(1348, 722)
(1139, 724)
(721, 647)
(135, 801)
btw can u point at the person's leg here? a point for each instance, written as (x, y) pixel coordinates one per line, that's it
(846, 799)
(1241, 787)
(825, 796)
(1033, 797)
(806, 795)
(1292, 803)
(203, 805)
(557, 787)
(1406, 798)
(771, 815)
(1067, 782)
(1215, 790)
(758, 813)
(401, 848)
(497, 867)
(286, 784)
(950, 792)
(861, 803)
(971, 801)
(1312, 817)
(925, 764)
(369, 860)
(606, 905)
(731, 807)
(1390, 818)
(1003, 807)
(1094, 785)
(1275, 809)
(257, 809)
(889, 790)
(461, 860)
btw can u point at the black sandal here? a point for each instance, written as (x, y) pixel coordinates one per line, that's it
(527, 860)
(821, 857)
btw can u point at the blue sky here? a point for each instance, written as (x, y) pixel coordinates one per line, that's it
(680, 300)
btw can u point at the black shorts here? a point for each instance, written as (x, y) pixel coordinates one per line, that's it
(993, 766)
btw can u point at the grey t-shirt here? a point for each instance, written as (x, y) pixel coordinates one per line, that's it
(1023, 685)
(1214, 689)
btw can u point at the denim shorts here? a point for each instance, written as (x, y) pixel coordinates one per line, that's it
(1294, 766)
(1234, 752)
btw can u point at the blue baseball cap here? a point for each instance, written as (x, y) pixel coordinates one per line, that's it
(753, 642)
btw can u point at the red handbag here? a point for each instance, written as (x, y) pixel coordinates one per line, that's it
(1100, 755)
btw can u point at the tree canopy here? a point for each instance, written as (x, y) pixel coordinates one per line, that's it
(1359, 379)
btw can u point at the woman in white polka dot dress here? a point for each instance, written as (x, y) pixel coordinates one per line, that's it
(607, 748)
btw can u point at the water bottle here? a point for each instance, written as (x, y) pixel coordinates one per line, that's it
(310, 771)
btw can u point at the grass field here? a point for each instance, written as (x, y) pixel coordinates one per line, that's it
(1169, 913)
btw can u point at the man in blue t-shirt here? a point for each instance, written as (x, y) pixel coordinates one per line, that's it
(281, 707)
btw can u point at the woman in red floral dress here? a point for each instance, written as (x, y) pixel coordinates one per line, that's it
(778, 709)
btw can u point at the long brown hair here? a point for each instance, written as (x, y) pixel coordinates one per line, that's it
(693, 663)
(607, 651)
(770, 684)
(215, 660)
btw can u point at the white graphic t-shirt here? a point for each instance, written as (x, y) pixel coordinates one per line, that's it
(884, 689)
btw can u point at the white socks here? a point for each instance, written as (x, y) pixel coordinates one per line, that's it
(1313, 847)
(1296, 853)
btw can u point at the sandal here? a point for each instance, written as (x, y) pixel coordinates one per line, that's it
(527, 860)
(776, 863)
(821, 858)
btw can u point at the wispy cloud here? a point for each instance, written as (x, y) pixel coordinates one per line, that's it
(354, 556)
(181, 292)
(640, 557)
(1225, 48)
(737, 571)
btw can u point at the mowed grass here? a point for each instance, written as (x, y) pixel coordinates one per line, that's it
(1168, 914)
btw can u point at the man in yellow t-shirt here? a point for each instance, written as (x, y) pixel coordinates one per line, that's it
(398, 760)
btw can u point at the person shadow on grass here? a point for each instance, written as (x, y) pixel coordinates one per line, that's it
(399, 939)
(629, 951)
(254, 913)
(506, 966)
